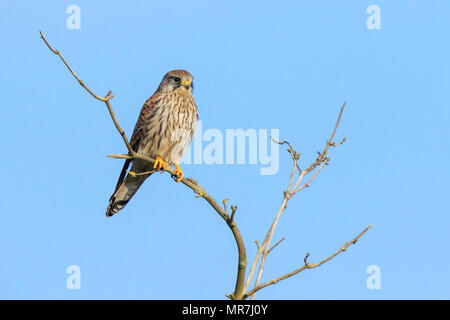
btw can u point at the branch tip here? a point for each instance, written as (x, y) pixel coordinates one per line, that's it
(233, 212)
(224, 201)
(276, 244)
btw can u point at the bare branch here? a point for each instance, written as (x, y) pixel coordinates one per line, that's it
(224, 201)
(318, 164)
(276, 244)
(306, 185)
(334, 144)
(260, 271)
(120, 156)
(328, 144)
(294, 154)
(265, 253)
(265, 243)
(105, 99)
(305, 260)
(134, 174)
(307, 265)
(233, 211)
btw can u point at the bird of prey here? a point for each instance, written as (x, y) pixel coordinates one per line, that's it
(163, 131)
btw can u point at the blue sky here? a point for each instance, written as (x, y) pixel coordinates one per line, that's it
(257, 64)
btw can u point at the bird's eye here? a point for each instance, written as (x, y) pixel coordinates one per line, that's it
(176, 79)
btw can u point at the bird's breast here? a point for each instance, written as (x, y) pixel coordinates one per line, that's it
(171, 128)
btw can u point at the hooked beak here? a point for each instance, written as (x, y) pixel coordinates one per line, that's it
(187, 84)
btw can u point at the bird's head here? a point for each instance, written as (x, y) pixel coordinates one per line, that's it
(180, 81)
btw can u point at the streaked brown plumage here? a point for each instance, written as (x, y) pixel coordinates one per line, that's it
(163, 131)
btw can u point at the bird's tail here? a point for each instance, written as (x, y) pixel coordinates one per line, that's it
(124, 192)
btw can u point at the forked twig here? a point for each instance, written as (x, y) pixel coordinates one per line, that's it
(306, 265)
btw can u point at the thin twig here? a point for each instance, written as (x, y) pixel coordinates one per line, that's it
(328, 144)
(224, 201)
(276, 244)
(321, 161)
(263, 245)
(307, 184)
(134, 174)
(263, 261)
(307, 265)
(105, 99)
(233, 212)
(294, 154)
(73, 73)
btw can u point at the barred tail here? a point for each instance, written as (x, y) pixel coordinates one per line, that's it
(124, 192)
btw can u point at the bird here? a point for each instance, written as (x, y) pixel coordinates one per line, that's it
(163, 131)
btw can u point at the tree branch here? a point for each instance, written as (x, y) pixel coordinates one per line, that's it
(292, 189)
(189, 182)
(306, 265)
(105, 99)
(328, 144)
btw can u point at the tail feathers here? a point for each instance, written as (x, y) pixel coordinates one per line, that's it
(123, 194)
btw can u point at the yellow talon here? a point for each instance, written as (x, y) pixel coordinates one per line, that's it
(178, 173)
(159, 164)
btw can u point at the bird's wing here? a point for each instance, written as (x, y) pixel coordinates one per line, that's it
(139, 133)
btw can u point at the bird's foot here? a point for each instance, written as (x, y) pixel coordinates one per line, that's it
(178, 173)
(159, 164)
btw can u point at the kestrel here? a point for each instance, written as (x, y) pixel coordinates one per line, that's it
(163, 131)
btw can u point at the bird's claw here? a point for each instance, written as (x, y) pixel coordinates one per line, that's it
(178, 173)
(159, 164)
